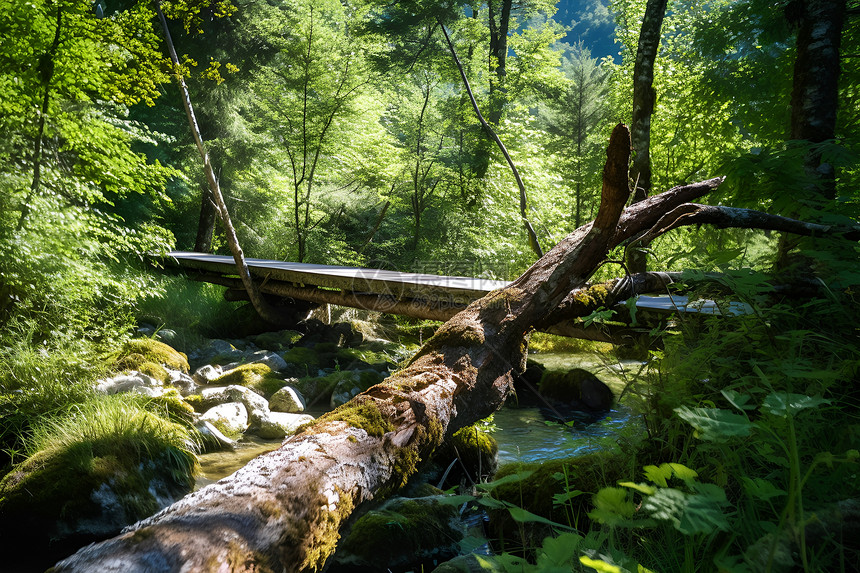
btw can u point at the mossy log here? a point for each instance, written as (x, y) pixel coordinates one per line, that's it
(284, 510)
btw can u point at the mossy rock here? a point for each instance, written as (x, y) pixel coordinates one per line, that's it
(576, 388)
(355, 358)
(303, 358)
(173, 406)
(353, 383)
(277, 341)
(477, 450)
(157, 371)
(196, 402)
(267, 385)
(402, 535)
(541, 482)
(82, 489)
(155, 351)
(243, 375)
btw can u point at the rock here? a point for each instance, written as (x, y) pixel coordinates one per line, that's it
(277, 425)
(207, 374)
(353, 384)
(213, 439)
(230, 418)
(211, 397)
(287, 399)
(182, 382)
(93, 478)
(277, 341)
(243, 375)
(127, 383)
(573, 395)
(148, 391)
(305, 360)
(155, 351)
(166, 335)
(270, 359)
(216, 352)
(401, 535)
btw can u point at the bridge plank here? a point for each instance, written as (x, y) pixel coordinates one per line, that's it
(401, 285)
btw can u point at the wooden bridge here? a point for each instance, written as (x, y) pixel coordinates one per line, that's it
(434, 297)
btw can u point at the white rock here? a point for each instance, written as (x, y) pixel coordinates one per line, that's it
(287, 399)
(270, 359)
(233, 416)
(206, 374)
(182, 381)
(126, 383)
(252, 401)
(278, 425)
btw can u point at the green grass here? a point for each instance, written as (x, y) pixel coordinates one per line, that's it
(121, 424)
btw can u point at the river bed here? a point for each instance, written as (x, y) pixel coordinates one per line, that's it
(523, 434)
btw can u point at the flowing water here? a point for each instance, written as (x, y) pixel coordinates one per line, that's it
(523, 434)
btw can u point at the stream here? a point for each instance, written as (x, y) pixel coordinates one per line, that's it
(523, 434)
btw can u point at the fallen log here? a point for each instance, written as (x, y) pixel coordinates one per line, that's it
(284, 510)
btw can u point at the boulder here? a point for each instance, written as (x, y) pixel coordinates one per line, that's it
(277, 425)
(287, 399)
(127, 383)
(154, 351)
(182, 382)
(573, 395)
(277, 341)
(270, 359)
(230, 418)
(216, 352)
(92, 477)
(211, 397)
(353, 383)
(207, 373)
(212, 439)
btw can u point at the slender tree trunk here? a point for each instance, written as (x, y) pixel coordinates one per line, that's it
(46, 70)
(644, 98)
(263, 308)
(533, 240)
(206, 224)
(814, 97)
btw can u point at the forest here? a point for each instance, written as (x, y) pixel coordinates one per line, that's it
(588, 151)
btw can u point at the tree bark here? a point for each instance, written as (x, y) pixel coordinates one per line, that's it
(206, 224)
(644, 98)
(815, 95)
(263, 308)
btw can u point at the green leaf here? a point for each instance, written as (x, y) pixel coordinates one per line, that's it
(612, 506)
(714, 424)
(512, 478)
(558, 550)
(560, 498)
(761, 489)
(739, 401)
(785, 403)
(690, 513)
(640, 487)
(599, 565)
(658, 475)
(521, 515)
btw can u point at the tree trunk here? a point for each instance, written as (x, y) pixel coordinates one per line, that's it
(284, 510)
(814, 97)
(533, 240)
(206, 224)
(644, 98)
(263, 308)
(46, 71)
